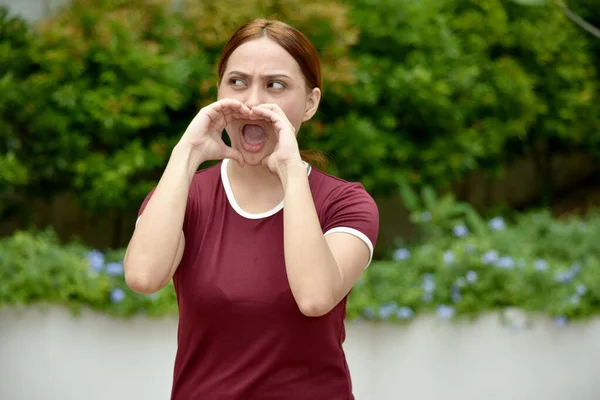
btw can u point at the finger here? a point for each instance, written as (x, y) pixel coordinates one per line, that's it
(265, 161)
(273, 107)
(234, 155)
(280, 123)
(216, 110)
(229, 114)
(236, 108)
(265, 113)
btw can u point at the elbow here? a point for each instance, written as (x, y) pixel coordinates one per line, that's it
(141, 284)
(313, 308)
(139, 280)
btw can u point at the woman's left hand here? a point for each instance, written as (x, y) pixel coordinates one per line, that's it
(286, 150)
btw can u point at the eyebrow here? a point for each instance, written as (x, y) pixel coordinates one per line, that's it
(268, 76)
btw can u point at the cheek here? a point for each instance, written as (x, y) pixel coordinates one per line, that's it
(293, 111)
(227, 93)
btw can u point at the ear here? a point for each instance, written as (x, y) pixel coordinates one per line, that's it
(314, 98)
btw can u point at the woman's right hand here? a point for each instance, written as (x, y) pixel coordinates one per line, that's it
(205, 131)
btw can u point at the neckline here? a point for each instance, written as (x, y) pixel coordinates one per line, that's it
(233, 202)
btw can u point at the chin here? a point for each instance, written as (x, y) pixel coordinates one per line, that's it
(253, 159)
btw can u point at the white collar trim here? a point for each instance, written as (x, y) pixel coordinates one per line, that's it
(233, 202)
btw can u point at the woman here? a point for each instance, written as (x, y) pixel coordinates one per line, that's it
(261, 289)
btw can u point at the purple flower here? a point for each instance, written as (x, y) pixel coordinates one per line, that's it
(448, 257)
(506, 263)
(472, 276)
(490, 257)
(560, 320)
(541, 265)
(426, 216)
(427, 297)
(401, 255)
(460, 231)
(386, 310)
(95, 260)
(405, 313)
(114, 269)
(564, 276)
(428, 283)
(497, 224)
(456, 296)
(117, 295)
(581, 289)
(445, 312)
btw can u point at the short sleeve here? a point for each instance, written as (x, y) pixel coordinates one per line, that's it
(352, 210)
(149, 196)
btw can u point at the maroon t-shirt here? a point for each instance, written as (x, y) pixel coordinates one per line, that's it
(241, 335)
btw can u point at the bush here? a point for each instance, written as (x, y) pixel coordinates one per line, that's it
(36, 269)
(458, 269)
(463, 266)
(448, 86)
(95, 96)
(102, 90)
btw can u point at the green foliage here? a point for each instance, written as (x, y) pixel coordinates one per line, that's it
(36, 269)
(15, 44)
(106, 88)
(573, 16)
(110, 78)
(532, 2)
(436, 216)
(535, 264)
(415, 92)
(450, 86)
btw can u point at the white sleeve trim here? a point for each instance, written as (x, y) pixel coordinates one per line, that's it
(359, 235)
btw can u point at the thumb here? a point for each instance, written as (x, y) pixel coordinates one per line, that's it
(235, 155)
(265, 161)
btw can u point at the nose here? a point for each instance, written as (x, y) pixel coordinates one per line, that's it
(254, 96)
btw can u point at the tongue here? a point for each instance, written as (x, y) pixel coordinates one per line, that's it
(253, 134)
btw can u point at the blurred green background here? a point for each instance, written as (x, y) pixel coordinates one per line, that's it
(474, 123)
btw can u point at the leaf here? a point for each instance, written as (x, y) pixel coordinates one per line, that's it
(429, 197)
(409, 197)
(532, 2)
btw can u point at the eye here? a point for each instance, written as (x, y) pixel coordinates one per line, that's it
(236, 82)
(277, 85)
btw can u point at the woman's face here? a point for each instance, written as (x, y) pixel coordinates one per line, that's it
(262, 72)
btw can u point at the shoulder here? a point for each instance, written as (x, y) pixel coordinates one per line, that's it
(329, 188)
(211, 174)
(345, 206)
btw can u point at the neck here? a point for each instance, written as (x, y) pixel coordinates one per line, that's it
(253, 176)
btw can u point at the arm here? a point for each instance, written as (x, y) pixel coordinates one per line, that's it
(321, 269)
(156, 247)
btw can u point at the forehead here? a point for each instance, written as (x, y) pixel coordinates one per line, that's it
(262, 56)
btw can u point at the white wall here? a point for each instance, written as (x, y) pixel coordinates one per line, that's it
(54, 356)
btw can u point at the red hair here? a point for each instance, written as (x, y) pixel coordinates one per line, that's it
(297, 45)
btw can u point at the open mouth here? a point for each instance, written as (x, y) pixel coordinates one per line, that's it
(254, 137)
